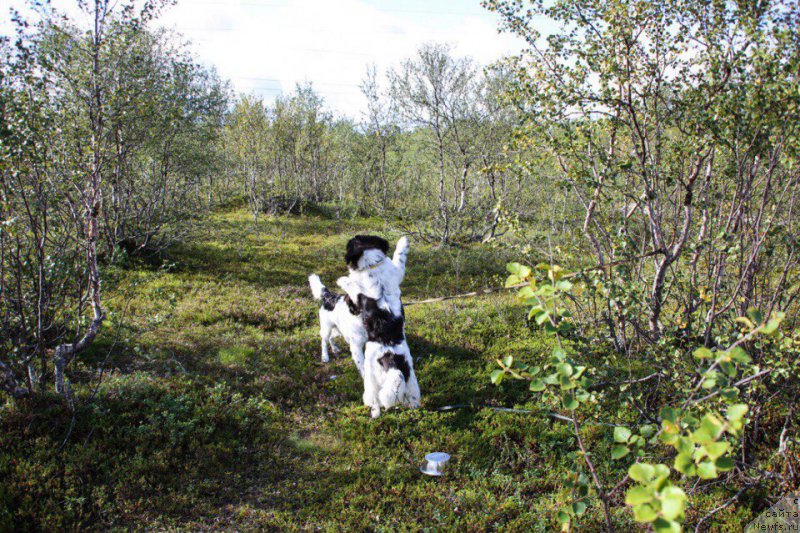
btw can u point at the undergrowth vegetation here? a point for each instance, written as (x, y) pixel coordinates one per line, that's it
(205, 405)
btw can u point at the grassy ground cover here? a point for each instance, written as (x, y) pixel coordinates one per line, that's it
(205, 405)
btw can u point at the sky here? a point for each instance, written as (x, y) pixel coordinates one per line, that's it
(265, 47)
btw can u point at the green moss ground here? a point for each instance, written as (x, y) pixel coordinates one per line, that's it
(214, 411)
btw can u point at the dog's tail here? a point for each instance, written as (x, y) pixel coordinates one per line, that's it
(317, 288)
(393, 389)
(400, 256)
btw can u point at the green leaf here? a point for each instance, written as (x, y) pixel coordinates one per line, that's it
(684, 464)
(559, 353)
(660, 525)
(621, 434)
(562, 517)
(520, 270)
(578, 508)
(570, 402)
(711, 380)
(551, 379)
(737, 411)
(773, 323)
(730, 393)
(526, 292)
(670, 432)
(739, 355)
(661, 472)
(565, 369)
(647, 430)
(701, 436)
(537, 385)
(706, 470)
(755, 315)
(712, 424)
(512, 280)
(724, 464)
(668, 413)
(563, 285)
(702, 353)
(673, 502)
(717, 449)
(497, 376)
(729, 368)
(684, 445)
(618, 451)
(543, 317)
(508, 360)
(566, 383)
(641, 472)
(644, 513)
(638, 495)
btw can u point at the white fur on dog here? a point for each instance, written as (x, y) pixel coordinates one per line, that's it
(385, 388)
(342, 322)
(379, 278)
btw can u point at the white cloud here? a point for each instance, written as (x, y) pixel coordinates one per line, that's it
(267, 46)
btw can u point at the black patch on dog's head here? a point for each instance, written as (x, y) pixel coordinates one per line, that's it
(395, 360)
(359, 244)
(381, 325)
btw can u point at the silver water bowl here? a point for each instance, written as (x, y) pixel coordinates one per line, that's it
(436, 464)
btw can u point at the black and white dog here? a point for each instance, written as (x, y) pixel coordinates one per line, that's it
(389, 376)
(376, 276)
(339, 315)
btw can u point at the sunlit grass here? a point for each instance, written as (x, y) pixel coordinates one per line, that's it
(216, 413)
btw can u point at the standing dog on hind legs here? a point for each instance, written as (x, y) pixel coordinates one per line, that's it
(340, 315)
(389, 376)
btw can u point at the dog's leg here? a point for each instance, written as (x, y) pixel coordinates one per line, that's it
(393, 389)
(370, 383)
(413, 394)
(325, 329)
(357, 352)
(333, 334)
(334, 349)
(350, 286)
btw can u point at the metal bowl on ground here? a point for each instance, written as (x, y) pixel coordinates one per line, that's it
(436, 464)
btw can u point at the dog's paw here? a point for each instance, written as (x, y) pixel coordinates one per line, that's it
(325, 359)
(402, 244)
(375, 411)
